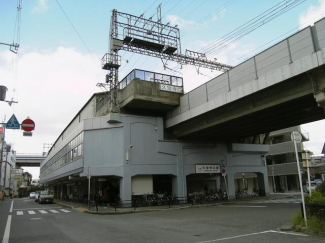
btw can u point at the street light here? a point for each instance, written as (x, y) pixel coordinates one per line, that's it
(296, 138)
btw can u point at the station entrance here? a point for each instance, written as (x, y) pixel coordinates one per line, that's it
(203, 182)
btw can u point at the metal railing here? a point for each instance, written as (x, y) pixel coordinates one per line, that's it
(151, 77)
(283, 169)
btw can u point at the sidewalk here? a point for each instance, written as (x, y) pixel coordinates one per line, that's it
(111, 210)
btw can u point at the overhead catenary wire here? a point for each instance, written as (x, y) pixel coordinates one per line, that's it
(172, 8)
(186, 7)
(222, 43)
(241, 27)
(253, 24)
(74, 28)
(271, 41)
(221, 48)
(217, 10)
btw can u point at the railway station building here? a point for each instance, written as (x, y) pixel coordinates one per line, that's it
(132, 153)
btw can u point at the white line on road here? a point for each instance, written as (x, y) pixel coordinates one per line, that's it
(234, 237)
(31, 212)
(65, 211)
(258, 233)
(35, 208)
(12, 204)
(6, 235)
(238, 206)
(54, 211)
(42, 211)
(35, 218)
(20, 213)
(287, 233)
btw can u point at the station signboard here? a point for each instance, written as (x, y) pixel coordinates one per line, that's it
(171, 88)
(201, 169)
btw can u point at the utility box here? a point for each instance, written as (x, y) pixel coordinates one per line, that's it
(3, 91)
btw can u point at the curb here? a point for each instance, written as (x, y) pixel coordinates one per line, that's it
(138, 210)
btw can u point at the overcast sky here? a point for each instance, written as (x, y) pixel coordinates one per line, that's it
(55, 71)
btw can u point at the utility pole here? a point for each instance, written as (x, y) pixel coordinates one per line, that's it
(2, 142)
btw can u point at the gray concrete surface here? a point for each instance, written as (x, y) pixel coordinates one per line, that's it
(250, 221)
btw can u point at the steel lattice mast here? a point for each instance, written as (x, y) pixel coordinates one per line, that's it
(147, 37)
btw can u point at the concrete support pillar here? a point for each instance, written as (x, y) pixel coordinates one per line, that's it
(175, 186)
(231, 186)
(125, 188)
(262, 180)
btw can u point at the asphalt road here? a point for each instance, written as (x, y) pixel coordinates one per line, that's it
(32, 222)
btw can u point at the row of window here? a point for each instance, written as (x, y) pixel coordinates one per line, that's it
(70, 152)
(66, 159)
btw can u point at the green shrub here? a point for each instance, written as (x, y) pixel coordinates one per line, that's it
(321, 188)
(316, 197)
(316, 225)
(297, 221)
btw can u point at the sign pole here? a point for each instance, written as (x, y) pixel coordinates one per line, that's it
(308, 174)
(88, 189)
(224, 177)
(296, 138)
(2, 142)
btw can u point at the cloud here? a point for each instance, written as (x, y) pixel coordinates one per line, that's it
(312, 14)
(182, 23)
(51, 87)
(221, 15)
(41, 7)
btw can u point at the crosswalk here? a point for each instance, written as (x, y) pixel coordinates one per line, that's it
(50, 211)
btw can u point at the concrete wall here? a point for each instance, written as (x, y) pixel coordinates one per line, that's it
(135, 148)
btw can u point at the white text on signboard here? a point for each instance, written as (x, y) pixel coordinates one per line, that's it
(171, 88)
(207, 168)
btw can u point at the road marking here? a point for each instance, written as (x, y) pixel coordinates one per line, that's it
(31, 212)
(287, 233)
(64, 210)
(239, 206)
(234, 237)
(6, 235)
(20, 213)
(12, 204)
(258, 233)
(42, 211)
(35, 218)
(54, 211)
(36, 208)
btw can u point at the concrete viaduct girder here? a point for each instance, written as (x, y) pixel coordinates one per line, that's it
(293, 101)
(29, 160)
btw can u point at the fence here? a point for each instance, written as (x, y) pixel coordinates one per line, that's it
(315, 209)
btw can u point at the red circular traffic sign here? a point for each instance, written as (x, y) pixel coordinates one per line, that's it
(28, 125)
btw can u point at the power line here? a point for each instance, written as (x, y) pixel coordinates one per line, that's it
(150, 6)
(274, 12)
(172, 8)
(222, 43)
(73, 27)
(219, 9)
(186, 7)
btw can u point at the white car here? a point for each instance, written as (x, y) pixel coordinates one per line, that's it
(313, 186)
(32, 195)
